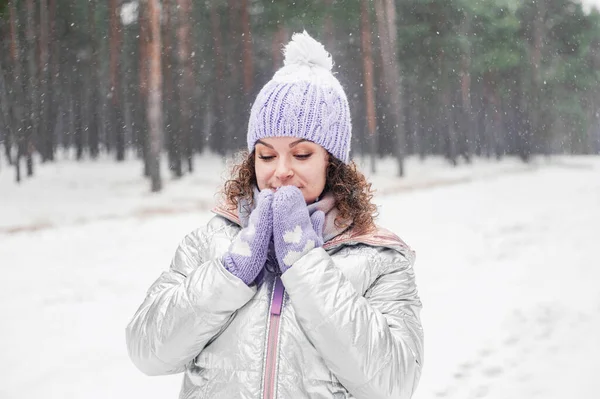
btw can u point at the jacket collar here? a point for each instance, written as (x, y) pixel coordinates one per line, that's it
(241, 214)
(379, 237)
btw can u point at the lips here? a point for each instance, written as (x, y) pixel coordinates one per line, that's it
(277, 188)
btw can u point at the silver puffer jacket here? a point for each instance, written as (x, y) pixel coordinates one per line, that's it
(343, 322)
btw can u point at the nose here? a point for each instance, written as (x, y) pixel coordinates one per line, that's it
(284, 170)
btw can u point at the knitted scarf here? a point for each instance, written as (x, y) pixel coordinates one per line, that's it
(325, 204)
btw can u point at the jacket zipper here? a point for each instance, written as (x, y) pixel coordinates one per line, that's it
(273, 337)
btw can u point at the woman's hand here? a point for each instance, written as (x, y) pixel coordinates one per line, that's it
(248, 252)
(294, 231)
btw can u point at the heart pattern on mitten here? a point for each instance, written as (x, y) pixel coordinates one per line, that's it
(248, 251)
(295, 232)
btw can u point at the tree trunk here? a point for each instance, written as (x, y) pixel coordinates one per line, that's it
(33, 98)
(535, 114)
(155, 117)
(137, 142)
(217, 129)
(54, 91)
(127, 55)
(94, 126)
(18, 87)
(236, 120)
(479, 113)
(142, 116)
(466, 120)
(116, 107)
(45, 128)
(445, 129)
(423, 113)
(385, 11)
(78, 90)
(488, 127)
(328, 30)
(186, 79)
(72, 116)
(247, 50)
(368, 79)
(247, 63)
(172, 102)
(383, 121)
(494, 141)
(419, 120)
(411, 114)
(6, 122)
(498, 141)
(277, 43)
(593, 129)
(593, 115)
(448, 129)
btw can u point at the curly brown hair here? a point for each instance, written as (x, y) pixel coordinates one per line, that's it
(352, 192)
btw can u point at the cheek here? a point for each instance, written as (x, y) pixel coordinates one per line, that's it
(322, 178)
(317, 177)
(262, 175)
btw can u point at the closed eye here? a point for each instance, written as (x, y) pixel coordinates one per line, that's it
(266, 157)
(302, 156)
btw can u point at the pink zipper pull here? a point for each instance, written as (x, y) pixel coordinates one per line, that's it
(277, 297)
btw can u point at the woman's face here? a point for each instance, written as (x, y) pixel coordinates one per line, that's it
(289, 161)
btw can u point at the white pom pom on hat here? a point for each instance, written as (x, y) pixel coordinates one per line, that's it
(306, 60)
(304, 50)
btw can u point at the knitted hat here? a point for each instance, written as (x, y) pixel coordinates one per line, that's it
(303, 100)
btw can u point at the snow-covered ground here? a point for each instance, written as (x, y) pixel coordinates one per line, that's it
(507, 268)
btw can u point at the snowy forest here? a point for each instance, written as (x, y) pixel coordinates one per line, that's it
(459, 78)
(476, 123)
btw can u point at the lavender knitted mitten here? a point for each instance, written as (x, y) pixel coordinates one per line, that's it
(294, 231)
(248, 252)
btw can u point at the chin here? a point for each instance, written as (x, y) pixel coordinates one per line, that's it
(310, 199)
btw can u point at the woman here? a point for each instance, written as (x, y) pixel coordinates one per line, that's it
(290, 291)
